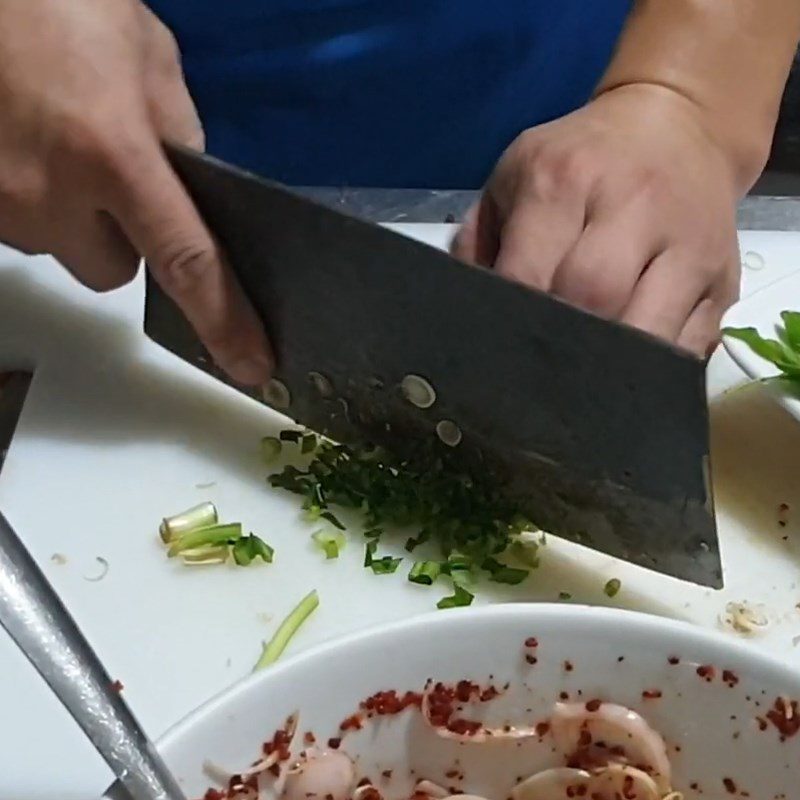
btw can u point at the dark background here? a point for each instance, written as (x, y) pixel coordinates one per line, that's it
(782, 176)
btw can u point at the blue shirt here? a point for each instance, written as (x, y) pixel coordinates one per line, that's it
(413, 93)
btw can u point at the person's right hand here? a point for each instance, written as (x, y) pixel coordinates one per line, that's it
(88, 91)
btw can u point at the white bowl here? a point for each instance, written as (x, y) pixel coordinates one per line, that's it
(711, 728)
(762, 310)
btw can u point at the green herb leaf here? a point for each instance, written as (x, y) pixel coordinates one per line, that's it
(425, 572)
(326, 515)
(791, 325)
(773, 351)
(270, 449)
(206, 537)
(612, 587)
(274, 648)
(248, 548)
(460, 597)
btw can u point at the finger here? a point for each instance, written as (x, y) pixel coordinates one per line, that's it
(701, 333)
(98, 255)
(536, 236)
(666, 295)
(478, 241)
(172, 110)
(160, 220)
(600, 272)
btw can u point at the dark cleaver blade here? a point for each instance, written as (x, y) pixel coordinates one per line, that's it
(599, 432)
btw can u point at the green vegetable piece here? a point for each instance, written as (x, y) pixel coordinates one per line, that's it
(290, 436)
(270, 449)
(385, 565)
(308, 443)
(564, 596)
(331, 542)
(326, 515)
(791, 325)
(460, 597)
(425, 572)
(206, 537)
(770, 349)
(369, 553)
(248, 548)
(274, 648)
(612, 587)
(199, 516)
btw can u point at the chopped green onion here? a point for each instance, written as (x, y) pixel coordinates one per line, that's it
(330, 542)
(204, 537)
(290, 436)
(413, 543)
(199, 516)
(308, 443)
(564, 596)
(274, 648)
(248, 548)
(373, 533)
(425, 572)
(460, 597)
(385, 565)
(206, 555)
(270, 449)
(326, 515)
(502, 573)
(612, 587)
(525, 553)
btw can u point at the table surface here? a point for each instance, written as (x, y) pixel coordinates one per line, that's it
(756, 213)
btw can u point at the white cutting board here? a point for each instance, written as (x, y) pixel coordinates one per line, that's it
(116, 433)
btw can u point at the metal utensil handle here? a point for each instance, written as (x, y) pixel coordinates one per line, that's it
(35, 617)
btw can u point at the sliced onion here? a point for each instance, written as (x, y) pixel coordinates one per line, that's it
(617, 727)
(263, 764)
(618, 780)
(551, 783)
(330, 775)
(483, 734)
(431, 789)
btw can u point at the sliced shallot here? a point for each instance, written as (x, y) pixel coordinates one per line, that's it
(553, 783)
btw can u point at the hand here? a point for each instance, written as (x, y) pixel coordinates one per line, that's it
(626, 208)
(89, 89)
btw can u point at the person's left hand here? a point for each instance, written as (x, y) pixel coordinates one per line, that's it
(626, 208)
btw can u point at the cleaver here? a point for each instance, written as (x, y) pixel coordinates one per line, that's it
(599, 432)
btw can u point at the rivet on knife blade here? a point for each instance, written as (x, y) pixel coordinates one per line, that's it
(321, 384)
(418, 391)
(277, 394)
(448, 432)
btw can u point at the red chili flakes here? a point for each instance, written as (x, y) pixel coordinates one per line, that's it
(352, 723)
(387, 773)
(542, 728)
(564, 696)
(730, 677)
(465, 690)
(488, 694)
(452, 774)
(568, 667)
(442, 702)
(783, 514)
(706, 672)
(785, 717)
(593, 705)
(309, 738)
(117, 686)
(280, 742)
(585, 738)
(531, 659)
(335, 743)
(762, 723)
(389, 703)
(651, 694)
(364, 782)
(531, 642)
(627, 788)
(369, 792)
(674, 660)
(729, 785)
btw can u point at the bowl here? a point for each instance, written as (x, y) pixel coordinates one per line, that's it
(725, 711)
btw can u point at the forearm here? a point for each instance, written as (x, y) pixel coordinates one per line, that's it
(730, 58)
